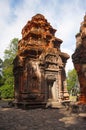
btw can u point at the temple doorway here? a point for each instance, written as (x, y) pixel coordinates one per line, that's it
(51, 90)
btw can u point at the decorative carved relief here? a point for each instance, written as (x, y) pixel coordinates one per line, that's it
(39, 60)
(79, 60)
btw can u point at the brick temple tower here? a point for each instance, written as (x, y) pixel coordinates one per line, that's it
(39, 67)
(79, 60)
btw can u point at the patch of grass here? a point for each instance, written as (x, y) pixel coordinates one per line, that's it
(73, 98)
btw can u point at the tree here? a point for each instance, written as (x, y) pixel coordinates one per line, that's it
(1, 64)
(10, 53)
(71, 79)
(1, 76)
(7, 89)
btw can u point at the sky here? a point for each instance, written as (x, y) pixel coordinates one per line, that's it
(63, 15)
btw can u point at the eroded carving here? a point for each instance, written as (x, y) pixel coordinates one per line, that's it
(79, 60)
(39, 64)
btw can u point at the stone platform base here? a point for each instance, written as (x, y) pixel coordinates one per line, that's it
(53, 105)
(48, 104)
(82, 99)
(33, 105)
(29, 105)
(57, 104)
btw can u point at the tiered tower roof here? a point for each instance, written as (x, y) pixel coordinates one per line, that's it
(38, 34)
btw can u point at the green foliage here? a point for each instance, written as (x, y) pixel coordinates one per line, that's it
(1, 80)
(10, 53)
(1, 76)
(71, 79)
(7, 89)
(1, 65)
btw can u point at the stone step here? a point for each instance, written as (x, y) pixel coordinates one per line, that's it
(54, 105)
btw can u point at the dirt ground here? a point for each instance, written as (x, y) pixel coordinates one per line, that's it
(40, 119)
